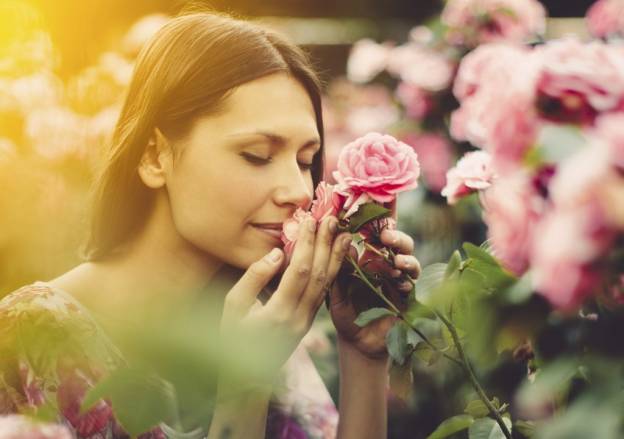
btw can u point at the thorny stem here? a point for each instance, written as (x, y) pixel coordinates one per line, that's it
(467, 367)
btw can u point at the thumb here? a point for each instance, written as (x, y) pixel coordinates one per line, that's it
(243, 294)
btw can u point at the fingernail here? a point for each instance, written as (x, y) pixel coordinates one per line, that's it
(275, 255)
(395, 273)
(333, 225)
(346, 242)
(402, 259)
(312, 224)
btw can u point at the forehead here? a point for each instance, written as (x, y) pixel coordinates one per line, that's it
(276, 103)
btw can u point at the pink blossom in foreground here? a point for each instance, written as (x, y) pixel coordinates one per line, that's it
(473, 172)
(577, 80)
(511, 210)
(605, 18)
(375, 167)
(435, 157)
(610, 129)
(366, 60)
(327, 202)
(474, 22)
(561, 258)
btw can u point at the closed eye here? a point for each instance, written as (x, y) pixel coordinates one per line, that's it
(254, 159)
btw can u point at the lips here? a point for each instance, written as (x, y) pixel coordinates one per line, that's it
(271, 229)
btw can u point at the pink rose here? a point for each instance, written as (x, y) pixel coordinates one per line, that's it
(21, 427)
(610, 129)
(511, 210)
(366, 60)
(326, 202)
(290, 230)
(473, 172)
(435, 155)
(375, 167)
(578, 81)
(606, 18)
(474, 22)
(561, 258)
(416, 101)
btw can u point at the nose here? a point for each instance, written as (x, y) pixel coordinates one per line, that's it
(292, 186)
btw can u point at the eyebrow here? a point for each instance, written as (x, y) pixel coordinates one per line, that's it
(276, 139)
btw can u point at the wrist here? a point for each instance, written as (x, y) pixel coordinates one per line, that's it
(350, 355)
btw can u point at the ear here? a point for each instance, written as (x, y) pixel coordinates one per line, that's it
(155, 162)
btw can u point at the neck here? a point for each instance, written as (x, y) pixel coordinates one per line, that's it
(158, 263)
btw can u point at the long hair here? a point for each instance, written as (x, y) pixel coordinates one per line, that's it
(187, 70)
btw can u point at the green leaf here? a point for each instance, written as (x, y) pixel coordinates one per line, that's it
(453, 264)
(479, 253)
(477, 409)
(366, 213)
(525, 428)
(372, 314)
(396, 342)
(488, 428)
(451, 426)
(157, 402)
(429, 280)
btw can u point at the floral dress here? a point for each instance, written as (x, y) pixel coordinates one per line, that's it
(52, 352)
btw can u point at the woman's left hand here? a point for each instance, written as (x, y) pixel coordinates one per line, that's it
(344, 308)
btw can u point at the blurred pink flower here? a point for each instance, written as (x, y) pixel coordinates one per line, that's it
(610, 129)
(22, 427)
(579, 80)
(561, 257)
(290, 230)
(474, 22)
(363, 119)
(420, 66)
(473, 172)
(416, 101)
(366, 60)
(435, 157)
(375, 167)
(511, 210)
(57, 132)
(605, 18)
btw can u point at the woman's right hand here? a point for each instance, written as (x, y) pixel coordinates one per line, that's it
(290, 311)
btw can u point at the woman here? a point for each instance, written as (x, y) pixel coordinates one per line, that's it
(219, 141)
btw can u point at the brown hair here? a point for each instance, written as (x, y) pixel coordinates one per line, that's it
(185, 71)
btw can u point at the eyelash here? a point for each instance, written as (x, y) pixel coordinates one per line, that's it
(260, 161)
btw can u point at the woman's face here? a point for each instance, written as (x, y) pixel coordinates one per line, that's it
(242, 173)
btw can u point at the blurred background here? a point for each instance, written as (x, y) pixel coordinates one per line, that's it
(64, 66)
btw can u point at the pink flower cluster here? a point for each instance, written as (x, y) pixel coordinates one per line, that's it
(474, 22)
(557, 215)
(373, 168)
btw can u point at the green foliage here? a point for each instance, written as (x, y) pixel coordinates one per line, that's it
(366, 212)
(372, 314)
(488, 428)
(401, 341)
(451, 426)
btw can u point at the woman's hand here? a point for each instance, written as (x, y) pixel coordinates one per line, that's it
(290, 311)
(344, 308)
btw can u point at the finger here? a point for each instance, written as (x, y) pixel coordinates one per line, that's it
(297, 275)
(393, 209)
(244, 293)
(409, 264)
(398, 240)
(318, 279)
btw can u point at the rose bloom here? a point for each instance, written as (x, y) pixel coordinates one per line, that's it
(563, 250)
(21, 427)
(421, 67)
(511, 209)
(610, 128)
(415, 100)
(606, 18)
(473, 172)
(290, 230)
(474, 22)
(375, 167)
(435, 156)
(327, 202)
(579, 80)
(366, 60)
